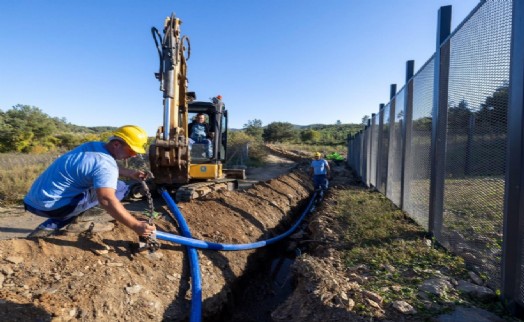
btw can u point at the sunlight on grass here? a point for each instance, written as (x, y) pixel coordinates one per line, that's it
(397, 252)
(324, 149)
(474, 205)
(17, 173)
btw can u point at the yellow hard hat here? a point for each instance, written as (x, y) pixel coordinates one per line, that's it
(134, 136)
(317, 154)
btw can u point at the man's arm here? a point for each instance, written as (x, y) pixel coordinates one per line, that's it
(328, 173)
(110, 203)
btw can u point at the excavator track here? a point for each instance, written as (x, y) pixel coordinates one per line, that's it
(199, 189)
(186, 192)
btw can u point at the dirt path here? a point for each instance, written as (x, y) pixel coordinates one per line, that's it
(15, 222)
(275, 166)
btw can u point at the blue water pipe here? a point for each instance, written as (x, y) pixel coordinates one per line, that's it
(202, 244)
(192, 244)
(194, 266)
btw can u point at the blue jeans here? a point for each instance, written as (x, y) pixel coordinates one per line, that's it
(84, 201)
(203, 140)
(320, 181)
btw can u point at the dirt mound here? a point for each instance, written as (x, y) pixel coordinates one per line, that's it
(95, 278)
(301, 157)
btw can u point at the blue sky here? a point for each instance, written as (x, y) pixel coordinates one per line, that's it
(298, 61)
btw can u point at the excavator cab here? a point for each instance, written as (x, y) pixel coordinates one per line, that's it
(207, 154)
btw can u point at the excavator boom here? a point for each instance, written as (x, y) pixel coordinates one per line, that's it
(169, 153)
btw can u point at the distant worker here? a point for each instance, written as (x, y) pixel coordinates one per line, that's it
(199, 133)
(85, 177)
(320, 172)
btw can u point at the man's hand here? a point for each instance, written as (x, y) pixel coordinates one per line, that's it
(144, 229)
(109, 202)
(138, 175)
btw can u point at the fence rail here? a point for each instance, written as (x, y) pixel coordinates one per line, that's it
(448, 146)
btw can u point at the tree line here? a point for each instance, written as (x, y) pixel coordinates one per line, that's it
(284, 132)
(28, 129)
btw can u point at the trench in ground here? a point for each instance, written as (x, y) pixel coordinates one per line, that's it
(268, 280)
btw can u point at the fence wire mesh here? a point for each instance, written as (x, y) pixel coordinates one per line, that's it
(475, 143)
(476, 139)
(393, 186)
(418, 167)
(374, 151)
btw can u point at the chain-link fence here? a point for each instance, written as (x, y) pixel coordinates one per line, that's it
(439, 148)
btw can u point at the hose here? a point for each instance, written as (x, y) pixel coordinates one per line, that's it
(192, 244)
(194, 266)
(158, 40)
(201, 244)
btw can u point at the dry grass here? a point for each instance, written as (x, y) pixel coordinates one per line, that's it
(324, 149)
(17, 173)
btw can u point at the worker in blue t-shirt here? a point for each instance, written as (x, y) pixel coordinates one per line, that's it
(85, 177)
(320, 172)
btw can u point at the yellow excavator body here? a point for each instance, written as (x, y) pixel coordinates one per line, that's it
(205, 171)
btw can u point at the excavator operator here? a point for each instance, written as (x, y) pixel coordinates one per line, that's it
(199, 133)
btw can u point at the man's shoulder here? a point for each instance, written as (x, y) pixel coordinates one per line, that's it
(94, 152)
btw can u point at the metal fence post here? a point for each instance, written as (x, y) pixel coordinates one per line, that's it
(364, 154)
(392, 94)
(439, 122)
(512, 248)
(406, 131)
(380, 116)
(360, 152)
(368, 151)
(392, 91)
(373, 158)
(348, 154)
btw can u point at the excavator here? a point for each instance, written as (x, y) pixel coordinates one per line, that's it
(176, 161)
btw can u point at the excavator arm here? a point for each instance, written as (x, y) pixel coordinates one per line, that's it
(169, 153)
